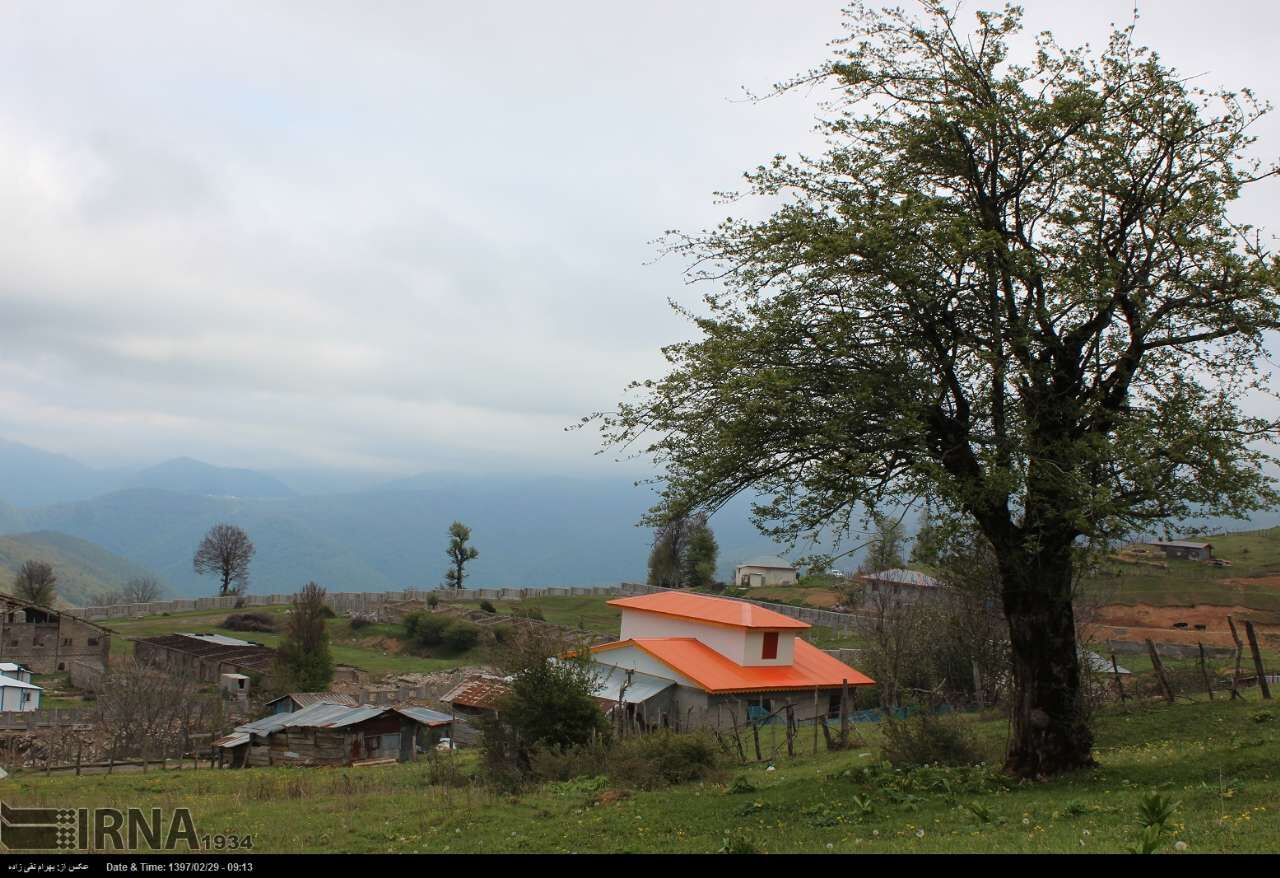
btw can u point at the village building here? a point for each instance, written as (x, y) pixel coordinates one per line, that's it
(477, 696)
(46, 640)
(18, 695)
(15, 671)
(1184, 550)
(325, 733)
(897, 588)
(204, 657)
(722, 660)
(767, 570)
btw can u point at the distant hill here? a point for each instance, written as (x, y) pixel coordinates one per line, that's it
(187, 476)
(31, 477)
(84, 570)
(531, 531)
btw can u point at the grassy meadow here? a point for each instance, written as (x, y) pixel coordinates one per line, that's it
(1219, 761)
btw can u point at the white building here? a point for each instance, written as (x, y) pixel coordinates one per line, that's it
(18, 695)
(705, 660)
(767, 570)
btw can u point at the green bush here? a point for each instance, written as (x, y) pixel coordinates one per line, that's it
(926, 739)
(461, 636)
(359, 622)
(433, 601)
(663, 758)
(427, 629)
(528, 613)
(488, 607)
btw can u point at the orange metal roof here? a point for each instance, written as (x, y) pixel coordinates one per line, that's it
(812, 668)
(720, 611)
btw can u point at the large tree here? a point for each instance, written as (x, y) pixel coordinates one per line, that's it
(226, 551)
(1011, 289)
(684, 552)
(36, 582)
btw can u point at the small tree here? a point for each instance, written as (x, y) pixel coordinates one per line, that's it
(36, 582)
(142, 590)
(303, 659)
(459, 554)
(226, 551)
(884, 552)
(684, 552)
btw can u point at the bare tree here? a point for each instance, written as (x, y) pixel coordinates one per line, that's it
(226, 551)
(144, 711)
(142, 590)
(36, 582)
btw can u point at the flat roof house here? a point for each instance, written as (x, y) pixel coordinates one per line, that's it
(1191, 551)
(725, 659)
(765, 570)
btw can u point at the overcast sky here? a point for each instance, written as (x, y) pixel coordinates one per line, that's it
(400, 236)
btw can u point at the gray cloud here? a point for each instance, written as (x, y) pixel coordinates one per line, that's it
(394, 236)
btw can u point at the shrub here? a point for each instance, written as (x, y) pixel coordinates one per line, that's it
(249, 622)
(426, 629)
(488, 607)
(925, 739)
(528, 613)
(359, 622)
(461, 636)
(663, 758)
(433, 601)
(326, 612)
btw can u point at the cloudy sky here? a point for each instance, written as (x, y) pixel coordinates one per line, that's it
(399, 236)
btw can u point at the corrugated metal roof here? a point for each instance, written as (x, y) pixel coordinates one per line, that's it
(426, 716)
(220, 639)
(1182, 544)
(235, 739)
(306, 699)
(482, 693)
(905, 577)
(610, 681)
(18, 684)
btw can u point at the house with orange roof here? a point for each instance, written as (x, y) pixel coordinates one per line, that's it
(727, 659)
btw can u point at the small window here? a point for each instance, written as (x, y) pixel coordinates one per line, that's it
(373, 742)
(770, 650)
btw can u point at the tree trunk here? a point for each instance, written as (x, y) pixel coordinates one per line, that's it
(1049, 733)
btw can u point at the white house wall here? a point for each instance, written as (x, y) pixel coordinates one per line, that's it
(11, 699)
(729, 642)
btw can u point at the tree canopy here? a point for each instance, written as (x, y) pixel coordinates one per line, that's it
(459, 554)
(226, 551)
(1011, 288)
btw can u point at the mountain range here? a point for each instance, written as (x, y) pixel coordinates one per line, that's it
(530, 531)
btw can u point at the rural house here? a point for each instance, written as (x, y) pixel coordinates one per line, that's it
(768, 570)
(324, 733)
(899, 587)
(1182, 549)
(47, 640)
(724, 660)
(18, 695)
(477, 696)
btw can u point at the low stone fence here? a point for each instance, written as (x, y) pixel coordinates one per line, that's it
(341, 601)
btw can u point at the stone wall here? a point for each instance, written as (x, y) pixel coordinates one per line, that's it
(47, 641)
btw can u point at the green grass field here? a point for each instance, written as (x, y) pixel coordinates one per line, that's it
(1219, 761)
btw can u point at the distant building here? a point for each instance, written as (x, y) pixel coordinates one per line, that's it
(205, 657)
(46, 640)
(18, 695)
(15, 671)
(767, 570)
(1182, 549)
(899, 587)
(298, 700)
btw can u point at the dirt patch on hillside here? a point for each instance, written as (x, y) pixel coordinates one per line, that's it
(1138, 622)
(1248, 582)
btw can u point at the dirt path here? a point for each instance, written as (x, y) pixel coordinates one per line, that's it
(1204, 623)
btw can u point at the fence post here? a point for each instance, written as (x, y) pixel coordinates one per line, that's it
(1257, 659)
(844, 714)
(1159, 666)
(1204, 672)
(1115, 669)
(1235, 672)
